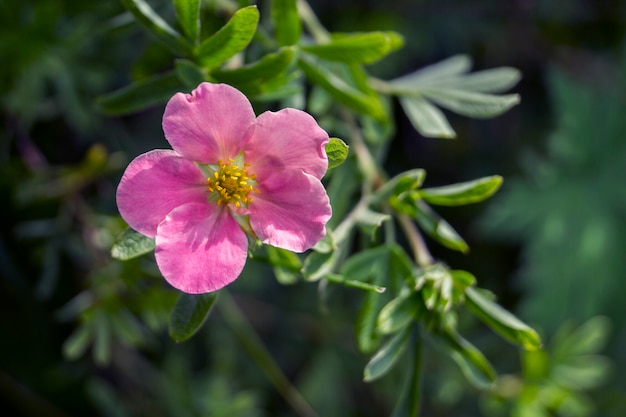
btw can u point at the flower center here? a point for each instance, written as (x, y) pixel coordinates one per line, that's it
(230, 183)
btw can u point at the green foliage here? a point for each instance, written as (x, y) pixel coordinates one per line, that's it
(131, 244)
(373, 267)
(447, 85)
(337, 152)
(553, 381)
(189, 314)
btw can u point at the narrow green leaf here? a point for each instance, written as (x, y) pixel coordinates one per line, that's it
(472, 104)
(405, 181)
(158, 27)
(449, 67)
(398, 313)
(386, 357)
(409, 401)
(131, 244)
(344, 93)
(101, 329)
(365, 325)
(427, 119)
(140, 95)
(337, 152)
(462, 193)
(189, 73)
(188, 12)
(340, 279)
(470, 360)
(587, 339)
(189, 314)
(318, 264)
(487, 81)
(77, 343)
(287, 26)
(232, 38)
(358, 48)
(286, 264)
(268, 67)
(438, 228)
(501, 321)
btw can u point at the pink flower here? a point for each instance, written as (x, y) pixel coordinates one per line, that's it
(230, 174)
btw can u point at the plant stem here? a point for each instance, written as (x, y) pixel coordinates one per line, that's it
(320, 34)
(420, 250)
(252, 342)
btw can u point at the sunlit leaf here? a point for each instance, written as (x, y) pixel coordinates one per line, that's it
(189, 314)
(131, 244)
(287, 26)
(158, 27)
(358, 48)
(188, 12)
(141, 95)
(337, 152)
(501, 321)
(232, 38)
(386, 357)
(462, 193)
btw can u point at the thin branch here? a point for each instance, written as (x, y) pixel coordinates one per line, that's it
(252, 342)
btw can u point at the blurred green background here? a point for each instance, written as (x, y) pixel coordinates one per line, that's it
(81, 334)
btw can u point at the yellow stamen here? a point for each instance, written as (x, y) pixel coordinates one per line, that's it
(231, 184)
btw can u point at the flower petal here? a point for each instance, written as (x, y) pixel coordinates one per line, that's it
(200, 248)
(290, 211)
(154, 184)
(209, 124)
(287, 139)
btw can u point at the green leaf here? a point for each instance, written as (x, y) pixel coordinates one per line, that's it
(379, 266)
(158, 27)
(462, 193)
(471, 104)
(318, 264)
(254, 78)
(398, 313)
(427, 119)
(340, 279)
(409, 401)
(501, 321)
(337, 152)
(358, 48)
(189, 314)
(188, 12)
(286, 264)
(401, 183)
(140, 95)
(487, 81)
(428, 75)
(343, 92)
(470, 360)
(232, 38)
(439, 229)
(287, 26)
(189, 73)
(77, 343)
(386, 357)
(131, 244)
